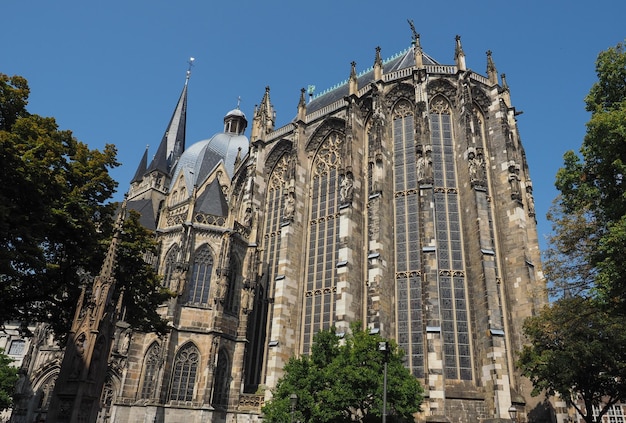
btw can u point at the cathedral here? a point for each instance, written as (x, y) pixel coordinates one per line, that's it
(400, 199)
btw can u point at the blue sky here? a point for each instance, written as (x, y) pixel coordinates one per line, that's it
(112, 71)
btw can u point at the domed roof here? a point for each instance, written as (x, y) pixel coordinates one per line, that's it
(235, 112)
(199, 160)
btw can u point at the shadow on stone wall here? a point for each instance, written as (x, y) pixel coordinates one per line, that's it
(542, 413)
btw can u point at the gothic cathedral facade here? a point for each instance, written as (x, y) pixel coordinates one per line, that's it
(401, 199)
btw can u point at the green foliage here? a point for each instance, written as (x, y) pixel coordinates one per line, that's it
(139, 282)
(8, 379)
(577, 346)
(55, 220)
(593, 189)
(577, 349)
(53, 189)
(14, 93)
(342, 381)
(566, 260)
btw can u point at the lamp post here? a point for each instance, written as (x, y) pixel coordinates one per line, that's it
(513, 413)
(384, 348)
(293, 400)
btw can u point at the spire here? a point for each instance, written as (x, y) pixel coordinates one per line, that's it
(378, 65)
(302, 106)
(264, 117)
(459, 55)
(492, 73)
(173, 142)
(141, 169)
(354, 83)
(108, 267)
(506, 95)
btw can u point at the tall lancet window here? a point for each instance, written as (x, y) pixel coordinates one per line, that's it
(451, 271)
(406, 223)
(200, 283)
(222, 380)
(170, 265)
(184, 373)
(275, 203)
(150, 371)
(323, 240)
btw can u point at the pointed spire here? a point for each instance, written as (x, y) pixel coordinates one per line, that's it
(506, 95)
(108, 266)
(378, 65)
(141, 169)
(459, 55)
(505, 86)
(264, 117)
(302, 106)
(492, 73)
(354, 83)
(173, 142)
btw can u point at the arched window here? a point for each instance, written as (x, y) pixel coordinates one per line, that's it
(453, 309)
(184, 373)
(150, 371)
(323, 240)
(222, 382)
(410, 168)
(170, 265)
(200, 283)
(45, 392)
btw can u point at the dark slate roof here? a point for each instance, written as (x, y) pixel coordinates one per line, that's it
(144, 207)
(403, 60)
(212, 201)
(173, 142)
(141, 169)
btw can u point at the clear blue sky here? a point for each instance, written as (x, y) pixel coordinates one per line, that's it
(112, 71)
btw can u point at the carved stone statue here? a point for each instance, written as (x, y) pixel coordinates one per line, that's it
(473, 165)
(424, 165)
(247, 218)
(346, 191)
(290, 207)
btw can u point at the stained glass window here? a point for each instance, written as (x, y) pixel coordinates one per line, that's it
(150, 370)
(170, 265)
(200, 282)
(184, 373)
(451, 277)
(323, 239)
(407, 259)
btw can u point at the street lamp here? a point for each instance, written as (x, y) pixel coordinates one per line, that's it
(384, 348)
(293, 400)
(513, 413)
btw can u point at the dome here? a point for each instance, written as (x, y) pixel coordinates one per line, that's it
(235, 112)
(199, 160)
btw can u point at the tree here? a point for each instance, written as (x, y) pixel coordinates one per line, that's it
(566, 259)
(577, 350)
(8, 379)
(140, 284)
(56, 217)
(342, 381)
(592, 185)
(577, 346)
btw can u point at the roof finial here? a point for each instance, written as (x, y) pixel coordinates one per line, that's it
(238, 102)
(459, 54)
(492, 73)
(416, 36)
(190, 61)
